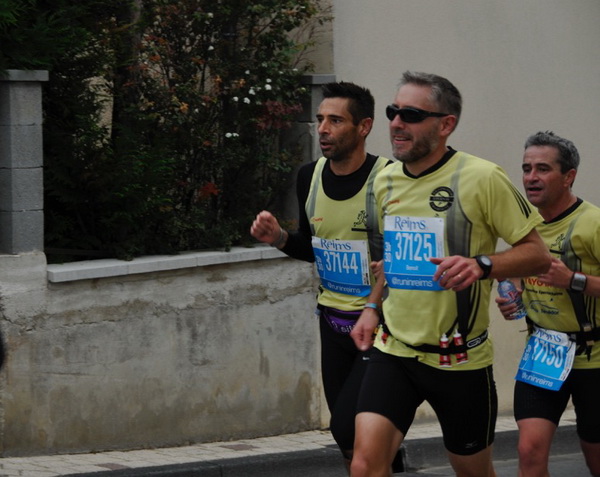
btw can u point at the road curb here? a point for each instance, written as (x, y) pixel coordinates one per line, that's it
(418, 454)
(322, 462)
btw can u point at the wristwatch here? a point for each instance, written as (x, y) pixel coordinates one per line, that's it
(485, 263)
(578, 282)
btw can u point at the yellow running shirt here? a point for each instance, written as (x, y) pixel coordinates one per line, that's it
(573, 237)
(334, 222)
(476, 204)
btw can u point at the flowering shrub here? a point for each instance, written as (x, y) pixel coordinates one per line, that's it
(164, 126)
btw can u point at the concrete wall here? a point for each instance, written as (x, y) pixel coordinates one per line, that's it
(520, 66)
(160, 351)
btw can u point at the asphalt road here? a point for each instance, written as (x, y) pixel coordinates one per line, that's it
(568, 465)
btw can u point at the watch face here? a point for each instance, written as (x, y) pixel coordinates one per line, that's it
(578, 282)
(486, 265)
(486, 260)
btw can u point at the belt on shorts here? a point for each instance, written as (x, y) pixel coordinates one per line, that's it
(451, 349)
(340, 321)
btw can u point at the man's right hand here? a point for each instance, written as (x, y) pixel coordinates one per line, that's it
(363, 331)
(377, 269)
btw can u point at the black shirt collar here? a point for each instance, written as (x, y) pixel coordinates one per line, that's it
(566, 212)
(445, 158)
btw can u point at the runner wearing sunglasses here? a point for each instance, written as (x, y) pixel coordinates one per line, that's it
(441, 212)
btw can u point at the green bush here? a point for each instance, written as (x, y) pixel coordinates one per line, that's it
(163, 118)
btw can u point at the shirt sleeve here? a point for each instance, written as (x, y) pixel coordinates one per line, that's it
(509, 213)
(299, 243)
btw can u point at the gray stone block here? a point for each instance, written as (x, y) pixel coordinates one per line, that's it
(39, 76)
(21, 189)
(20, 104)
(21, 231)
(21, 146)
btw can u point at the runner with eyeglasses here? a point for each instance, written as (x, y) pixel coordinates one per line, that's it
(441, 213)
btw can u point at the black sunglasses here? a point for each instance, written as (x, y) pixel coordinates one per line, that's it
(411, 115)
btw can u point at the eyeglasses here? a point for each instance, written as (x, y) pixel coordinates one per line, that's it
(411, 115)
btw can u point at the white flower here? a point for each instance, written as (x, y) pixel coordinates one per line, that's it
(247, 72)
(268, 80)
(247, 100)
(228, 135)
(209, 15)
(252, 91)
(211, 48)
(268, 87)
(235, 98)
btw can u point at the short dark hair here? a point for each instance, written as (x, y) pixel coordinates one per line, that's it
(361, 103)
(568, 156)
(443, 93)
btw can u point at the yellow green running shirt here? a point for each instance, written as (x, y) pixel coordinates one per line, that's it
(476, 203)
(574, 238)
(339, 222)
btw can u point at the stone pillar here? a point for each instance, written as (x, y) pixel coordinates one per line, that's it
(308, 118)
(21, 162)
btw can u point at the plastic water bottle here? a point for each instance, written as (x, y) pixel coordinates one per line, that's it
(507, 289)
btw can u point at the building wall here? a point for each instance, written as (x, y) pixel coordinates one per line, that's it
(521, 67)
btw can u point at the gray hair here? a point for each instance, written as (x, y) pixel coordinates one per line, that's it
(443, 93)
(568, 156)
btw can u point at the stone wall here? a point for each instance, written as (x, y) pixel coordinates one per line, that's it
(182, 353)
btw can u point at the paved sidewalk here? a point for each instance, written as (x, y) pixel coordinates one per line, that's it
(422, 446)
